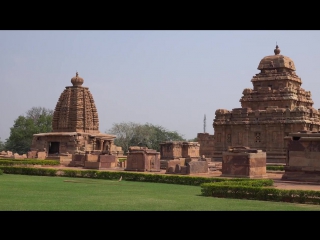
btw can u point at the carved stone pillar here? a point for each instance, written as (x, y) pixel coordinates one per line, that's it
(101, 143)
(247, 127)
(93, 144)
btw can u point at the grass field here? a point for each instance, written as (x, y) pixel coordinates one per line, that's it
(42, 193)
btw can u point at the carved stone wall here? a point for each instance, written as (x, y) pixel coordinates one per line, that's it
(206, 142)
(170, 150)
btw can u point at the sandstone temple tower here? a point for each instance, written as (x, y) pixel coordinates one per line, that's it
(75, 124)
(76, 110)
(275, 107)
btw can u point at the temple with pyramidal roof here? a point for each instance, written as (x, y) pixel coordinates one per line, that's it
(273, 108)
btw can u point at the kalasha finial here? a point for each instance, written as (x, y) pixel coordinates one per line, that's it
(77, 80)
(277, 50)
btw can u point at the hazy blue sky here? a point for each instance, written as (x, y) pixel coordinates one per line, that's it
(169, 78)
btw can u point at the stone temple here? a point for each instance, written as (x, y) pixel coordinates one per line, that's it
(75, 125)
(275, 107)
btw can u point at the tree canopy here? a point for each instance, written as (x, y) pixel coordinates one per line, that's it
(135, 134)
(2, 146)
(37, 120)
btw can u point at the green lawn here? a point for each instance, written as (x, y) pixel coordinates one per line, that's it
(35, 193)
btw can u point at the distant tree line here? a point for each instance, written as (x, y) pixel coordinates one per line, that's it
(39, 120)
(144, 135)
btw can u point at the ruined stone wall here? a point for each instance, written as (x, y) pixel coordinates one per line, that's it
(135, 161)
(206, 142)
(153, 160)
(142, 159)
(170, 150)
(190, 149)
(303, 158)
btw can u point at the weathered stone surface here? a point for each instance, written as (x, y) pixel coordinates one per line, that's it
(92, 165)
(108, 159)
(143, 159)
(18, 156)
(172, 165)
(194, 167)
(41, 155)
(65, 159)
(77, 160)
(32, 154)
(92, 157)
(303, 158)
(6, 154)
(172, 150)
(176, 157)
(206, 142)
(244, 162)
(276, 106)
(187, 166)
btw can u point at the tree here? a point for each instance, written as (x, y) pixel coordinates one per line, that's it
(37, 120)
(2, 146)
(134, 134)
(193, 139)
(36, 113)
(125, 132)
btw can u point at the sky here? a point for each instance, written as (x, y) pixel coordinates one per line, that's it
(168, 78)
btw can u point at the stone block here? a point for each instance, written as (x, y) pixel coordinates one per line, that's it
(91, 165)
(107, 158)
(41, 155)
(197, 167)
(171, 165)
(244, 164)
(92, 157)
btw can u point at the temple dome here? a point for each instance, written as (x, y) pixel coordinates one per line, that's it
(276, 61)
(76, 80)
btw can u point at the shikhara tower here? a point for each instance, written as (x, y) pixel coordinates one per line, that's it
(75, 110)
(75, 124)
(276, 106)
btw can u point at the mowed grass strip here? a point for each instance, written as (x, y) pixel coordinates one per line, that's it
(43, 193)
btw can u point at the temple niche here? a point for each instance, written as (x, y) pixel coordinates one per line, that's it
(275, 107)
(75, 128)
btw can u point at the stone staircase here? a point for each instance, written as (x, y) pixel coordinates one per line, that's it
(53, 157)
(215, 166)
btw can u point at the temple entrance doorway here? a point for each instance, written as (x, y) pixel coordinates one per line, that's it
(54, 147)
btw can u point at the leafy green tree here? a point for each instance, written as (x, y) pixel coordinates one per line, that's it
(125, 132)
(2, 146)
(149, 135)
(37, 120)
